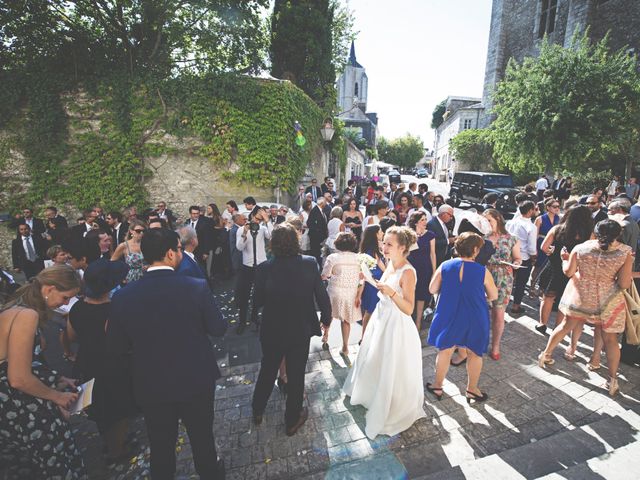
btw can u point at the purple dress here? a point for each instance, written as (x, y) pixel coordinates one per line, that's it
(420, 260)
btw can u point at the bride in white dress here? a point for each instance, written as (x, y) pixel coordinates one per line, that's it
(386, 377)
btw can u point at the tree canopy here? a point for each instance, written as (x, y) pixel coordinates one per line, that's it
(437, 117)
(403, 151)
(567, 107)
(302, 47)
(473, 148)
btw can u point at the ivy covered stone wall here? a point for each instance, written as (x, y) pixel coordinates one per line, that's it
(189, 140)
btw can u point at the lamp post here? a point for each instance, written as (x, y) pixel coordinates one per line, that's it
(327, 132)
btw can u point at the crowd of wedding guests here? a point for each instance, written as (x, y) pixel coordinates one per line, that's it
(108, 279)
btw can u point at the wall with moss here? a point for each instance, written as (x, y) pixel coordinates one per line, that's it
(190, 140)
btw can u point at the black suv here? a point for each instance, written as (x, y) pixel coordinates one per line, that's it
(471, 187)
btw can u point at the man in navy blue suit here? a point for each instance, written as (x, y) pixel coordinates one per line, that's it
(189, 241)
(161, 325)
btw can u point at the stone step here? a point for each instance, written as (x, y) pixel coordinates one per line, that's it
(558, 452)
(622, 464)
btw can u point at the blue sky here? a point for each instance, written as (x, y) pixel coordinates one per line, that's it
(418, 52)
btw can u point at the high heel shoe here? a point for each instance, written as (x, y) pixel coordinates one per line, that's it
(544, 360)
(433, 391)
(612, 386)
(325, 343)
(475, 397)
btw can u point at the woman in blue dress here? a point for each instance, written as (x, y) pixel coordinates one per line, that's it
(423, 260)
(371, 238)
(462, 315)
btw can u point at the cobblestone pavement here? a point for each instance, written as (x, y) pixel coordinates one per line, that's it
(527, 404)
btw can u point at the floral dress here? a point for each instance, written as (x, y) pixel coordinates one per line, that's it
(135, 260)
(35, 440)
(502, 274)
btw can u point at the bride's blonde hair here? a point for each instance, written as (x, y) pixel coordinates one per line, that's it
(405, 237)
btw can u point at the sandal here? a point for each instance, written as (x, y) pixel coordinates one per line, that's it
(433, 391)
(592, 367)
(475, 397)
(570, 357)
(612, 386)
(544, 360)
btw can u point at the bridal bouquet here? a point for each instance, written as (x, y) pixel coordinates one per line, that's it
(367, 261)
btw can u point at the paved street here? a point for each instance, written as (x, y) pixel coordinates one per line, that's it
(536, 421)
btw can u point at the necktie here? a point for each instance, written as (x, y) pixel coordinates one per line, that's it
(31, 253)
(193, 224)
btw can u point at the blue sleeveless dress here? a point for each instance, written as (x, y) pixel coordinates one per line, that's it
(370, 293)
(462, 314)
(545, 226)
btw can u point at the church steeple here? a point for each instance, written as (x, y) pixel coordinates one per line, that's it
(352, 56)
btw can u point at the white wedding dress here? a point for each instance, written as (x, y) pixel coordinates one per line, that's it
(386, 377)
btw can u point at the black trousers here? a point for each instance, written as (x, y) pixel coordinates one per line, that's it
(316, 248)
(162, 427)
(246, 277)
(295, 355)
(522, 275)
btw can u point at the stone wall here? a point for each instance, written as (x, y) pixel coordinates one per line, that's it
(514, 32)
(181, 178)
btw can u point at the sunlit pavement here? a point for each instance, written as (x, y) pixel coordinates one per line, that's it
(536, 421)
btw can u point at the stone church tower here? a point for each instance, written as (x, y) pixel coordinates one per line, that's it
(518, 26)
(353, 84)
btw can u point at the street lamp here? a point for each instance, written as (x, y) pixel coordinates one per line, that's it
(327, 130)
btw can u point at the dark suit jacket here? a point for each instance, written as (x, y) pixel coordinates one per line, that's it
(19, 255)
(317, 225)
(279, 219)
(170, 217)
(190, 267)
(310, 188)
(38, 225)
(601, 215)
(443, 251)
(79, 230)
(163, 322)
(298, 280)
(60, 222)
(204, 230)
(122, 234)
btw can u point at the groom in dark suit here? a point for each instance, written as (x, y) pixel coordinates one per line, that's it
(167, 344)
(318, 231)
(287, 326)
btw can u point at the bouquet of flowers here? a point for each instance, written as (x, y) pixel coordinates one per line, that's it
(367, 261)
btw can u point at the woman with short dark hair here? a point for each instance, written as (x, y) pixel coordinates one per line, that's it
(287, 326)
(461, 318)
(342, 269)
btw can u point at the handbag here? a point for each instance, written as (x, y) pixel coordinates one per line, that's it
(632, 329)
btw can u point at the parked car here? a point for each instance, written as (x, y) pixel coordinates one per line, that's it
(471, 187)
(422, 173)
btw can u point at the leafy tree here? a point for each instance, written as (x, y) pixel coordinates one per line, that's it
(438, 113)
(356, 138)
(135, 36)
(567, 107)
(302, 47)
(473, 148)
(403, 151)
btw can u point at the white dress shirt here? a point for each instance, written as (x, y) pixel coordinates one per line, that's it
(527, 233)
(542, 184)
(245, 245)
